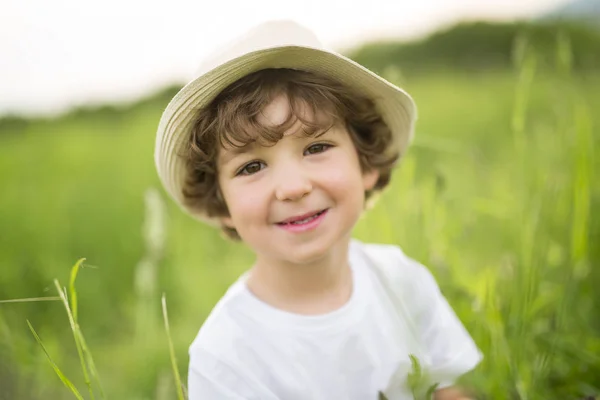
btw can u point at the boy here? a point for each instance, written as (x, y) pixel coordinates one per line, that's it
(280, 143)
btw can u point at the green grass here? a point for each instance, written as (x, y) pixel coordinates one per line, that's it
(496, 196)
(88, 366)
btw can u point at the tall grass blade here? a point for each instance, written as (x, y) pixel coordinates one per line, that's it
(582, 184)
(72, 291)
(76, 336)
(88, 355)
(91, 364)
(176, 375)
(31, 299)
(62, 377)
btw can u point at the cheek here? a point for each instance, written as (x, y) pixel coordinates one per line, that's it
(343, 177)
(244, 202)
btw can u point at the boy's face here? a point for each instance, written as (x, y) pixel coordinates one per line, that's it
(265, 186)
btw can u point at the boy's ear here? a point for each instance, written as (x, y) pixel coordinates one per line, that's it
(370, 178)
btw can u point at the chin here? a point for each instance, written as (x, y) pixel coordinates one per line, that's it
(312, 251)
(306, 256)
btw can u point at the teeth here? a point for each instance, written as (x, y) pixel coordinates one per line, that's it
(302, 221)
(305, 220)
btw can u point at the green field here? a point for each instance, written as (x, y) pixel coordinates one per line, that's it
(497, 196)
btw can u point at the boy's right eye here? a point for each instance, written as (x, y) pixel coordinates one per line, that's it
(250, 168)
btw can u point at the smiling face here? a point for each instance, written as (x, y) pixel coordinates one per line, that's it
(298, 199)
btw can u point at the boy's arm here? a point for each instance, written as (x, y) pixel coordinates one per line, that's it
(450, 348)
(209, 377)
(203, 385)
(446, 347)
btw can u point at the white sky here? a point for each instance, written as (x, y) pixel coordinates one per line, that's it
(58, 53)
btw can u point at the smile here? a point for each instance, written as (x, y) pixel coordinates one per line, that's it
(304, 224)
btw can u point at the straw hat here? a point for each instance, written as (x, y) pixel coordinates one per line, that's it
(275, 44)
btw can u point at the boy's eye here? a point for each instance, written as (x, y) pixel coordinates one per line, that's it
(250, 168)
(317, 148)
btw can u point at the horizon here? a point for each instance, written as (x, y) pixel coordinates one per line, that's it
(62, 57)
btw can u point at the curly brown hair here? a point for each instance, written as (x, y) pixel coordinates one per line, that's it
(230, 119)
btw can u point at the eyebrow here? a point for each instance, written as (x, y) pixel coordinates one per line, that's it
(234, 152)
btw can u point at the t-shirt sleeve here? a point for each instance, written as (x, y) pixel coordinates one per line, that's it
(450, 349)
(212, 378)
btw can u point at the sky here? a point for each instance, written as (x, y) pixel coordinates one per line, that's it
(58, 54)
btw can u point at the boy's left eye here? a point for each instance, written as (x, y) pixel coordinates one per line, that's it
(316, 148)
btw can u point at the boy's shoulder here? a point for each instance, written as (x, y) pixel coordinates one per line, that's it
(222, 324)
(391, 261)
(407, 282)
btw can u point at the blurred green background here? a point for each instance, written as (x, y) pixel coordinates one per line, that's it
(497, 196)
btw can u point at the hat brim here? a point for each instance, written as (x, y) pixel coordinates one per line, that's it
(395, 106)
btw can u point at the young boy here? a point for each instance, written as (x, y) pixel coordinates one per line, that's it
(280, 142)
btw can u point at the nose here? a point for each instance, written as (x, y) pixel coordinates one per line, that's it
(292, 184)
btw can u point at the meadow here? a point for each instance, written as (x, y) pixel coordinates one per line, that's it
(497, 196)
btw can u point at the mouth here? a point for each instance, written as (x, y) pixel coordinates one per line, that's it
(302, 219)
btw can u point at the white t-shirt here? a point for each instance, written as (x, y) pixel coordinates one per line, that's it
(247, 349)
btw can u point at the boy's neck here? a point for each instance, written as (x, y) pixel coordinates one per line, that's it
(310, 289)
